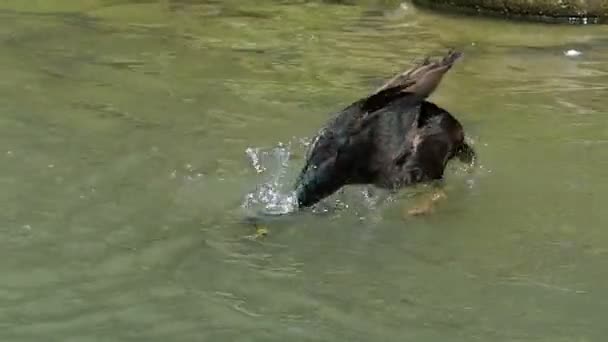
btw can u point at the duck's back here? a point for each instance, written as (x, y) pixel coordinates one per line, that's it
(355, 147)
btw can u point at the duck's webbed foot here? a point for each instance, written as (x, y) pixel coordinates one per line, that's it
(427, 202)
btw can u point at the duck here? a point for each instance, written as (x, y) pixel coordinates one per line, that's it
(391, 139)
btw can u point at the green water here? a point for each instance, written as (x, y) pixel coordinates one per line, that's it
(124, 127)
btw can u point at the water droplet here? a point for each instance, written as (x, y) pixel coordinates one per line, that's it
(51, 166)
(254, 155)
(26, 227)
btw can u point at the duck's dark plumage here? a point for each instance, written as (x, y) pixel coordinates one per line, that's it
(392, 138)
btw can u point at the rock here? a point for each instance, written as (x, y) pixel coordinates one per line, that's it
(567, 11)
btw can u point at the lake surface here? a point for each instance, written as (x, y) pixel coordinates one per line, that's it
(136, 137)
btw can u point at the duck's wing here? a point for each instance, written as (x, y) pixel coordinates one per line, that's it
(422, 79)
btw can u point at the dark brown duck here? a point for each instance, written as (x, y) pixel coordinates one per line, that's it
(392, 138)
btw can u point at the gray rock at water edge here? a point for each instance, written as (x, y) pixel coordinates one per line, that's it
(567, 11)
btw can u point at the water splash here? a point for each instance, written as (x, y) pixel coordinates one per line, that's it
(271, 196)
(275, 195)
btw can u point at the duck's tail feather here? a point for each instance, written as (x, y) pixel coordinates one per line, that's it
(423, 78)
